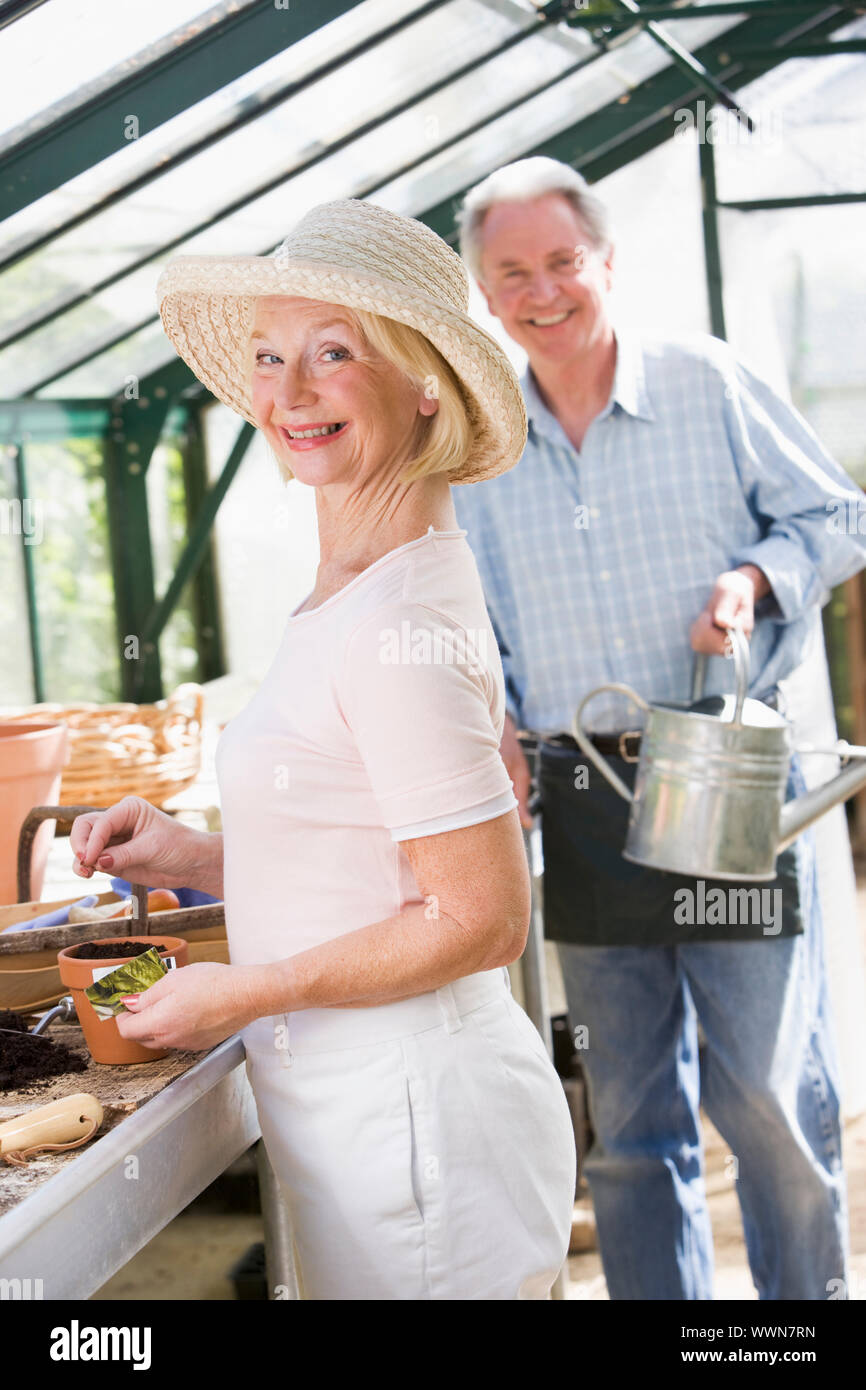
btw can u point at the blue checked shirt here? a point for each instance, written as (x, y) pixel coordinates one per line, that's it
(596, 563)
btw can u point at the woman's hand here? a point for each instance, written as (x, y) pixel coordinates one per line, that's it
(193, 1008)
(135, 841)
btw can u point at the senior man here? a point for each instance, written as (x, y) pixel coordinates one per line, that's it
(665, 494)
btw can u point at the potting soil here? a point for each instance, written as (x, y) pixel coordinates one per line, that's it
(108, 950)
(9, 1019)
(23, 1062)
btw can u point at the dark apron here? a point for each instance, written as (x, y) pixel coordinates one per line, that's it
(594, 897)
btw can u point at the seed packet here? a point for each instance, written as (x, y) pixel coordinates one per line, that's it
(132, 977)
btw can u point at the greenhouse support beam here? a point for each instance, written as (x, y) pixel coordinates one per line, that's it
(52, 419)
(640, 120)
(175, 78)
(813, 200)
(804, 50)
(247, 109)
(260, 190)
(17, 9)
(171, 378)
(378, 182)
(209, 637)
(133, 433)
(712, 247)
(160, 388)
(33, 633)
(734, 8)
(192, 553)
(692, 67)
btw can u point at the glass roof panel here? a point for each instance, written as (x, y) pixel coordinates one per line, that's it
(303, 127)
(610, 78)
(37, 50)
(106, 374)
(155, 147)
(259, 227)
(810, 114)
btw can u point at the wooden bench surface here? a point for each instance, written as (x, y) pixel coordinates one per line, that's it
(119, 1089)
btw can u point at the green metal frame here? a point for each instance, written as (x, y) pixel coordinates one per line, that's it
(23, 492)
(133, 434)
(250, 196)
(596, 145)
(642, 120)
(249, 108)
(174, 80)
(10, 10)
(208, 504)
(688, 63)
(649, 14)
(805, 50)
(26, 419)
(710, 205)
(208, 627)
(640, 123)
(712, 245)
(812, 200)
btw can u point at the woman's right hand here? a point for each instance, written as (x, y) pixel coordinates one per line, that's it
(135, 841)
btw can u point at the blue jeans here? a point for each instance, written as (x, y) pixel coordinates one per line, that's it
(768, 1081)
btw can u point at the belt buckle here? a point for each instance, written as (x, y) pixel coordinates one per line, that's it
(626, 757)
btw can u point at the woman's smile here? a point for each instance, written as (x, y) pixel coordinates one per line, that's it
(301, 440)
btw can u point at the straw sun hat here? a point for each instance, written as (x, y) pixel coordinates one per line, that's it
(361, 256)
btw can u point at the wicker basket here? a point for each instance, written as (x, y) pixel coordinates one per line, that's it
(152, 751)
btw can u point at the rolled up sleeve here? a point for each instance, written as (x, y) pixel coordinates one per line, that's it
(796, 492)
(418, 695)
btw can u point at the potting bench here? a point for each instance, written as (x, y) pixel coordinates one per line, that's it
(171, 1127)
(69, 1221)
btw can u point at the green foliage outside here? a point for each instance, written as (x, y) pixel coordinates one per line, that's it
(74, 586)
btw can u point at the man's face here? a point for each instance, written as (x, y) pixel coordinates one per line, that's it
(543, 278)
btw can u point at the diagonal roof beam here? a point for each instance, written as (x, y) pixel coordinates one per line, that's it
(649, 13)
(250, 195)
(173, 81)
(10, 10)
(245, 110)
(690, 65)
(128, 330)
(596, 144)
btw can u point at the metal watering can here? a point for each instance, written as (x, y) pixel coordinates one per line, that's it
(709, 792)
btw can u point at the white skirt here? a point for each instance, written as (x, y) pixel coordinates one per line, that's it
(425, 1148)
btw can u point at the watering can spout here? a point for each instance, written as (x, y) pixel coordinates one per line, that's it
(797, 815)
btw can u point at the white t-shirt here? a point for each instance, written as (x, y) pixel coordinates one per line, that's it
(379, 721)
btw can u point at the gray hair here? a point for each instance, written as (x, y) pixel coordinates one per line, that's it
(520, 182)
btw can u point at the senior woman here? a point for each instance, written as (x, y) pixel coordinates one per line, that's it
(371, 861)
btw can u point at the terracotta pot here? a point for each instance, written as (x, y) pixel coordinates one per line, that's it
(32, 757)
(102, 1035)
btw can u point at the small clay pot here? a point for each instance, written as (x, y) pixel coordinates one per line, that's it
(102, 1035)
(32, 757)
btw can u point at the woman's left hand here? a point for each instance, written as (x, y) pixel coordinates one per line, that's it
(194, 1007)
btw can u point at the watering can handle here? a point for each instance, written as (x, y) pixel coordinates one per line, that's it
(740, 646)
(582, 738)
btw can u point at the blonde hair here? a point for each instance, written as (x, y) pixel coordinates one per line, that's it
(443, 440)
